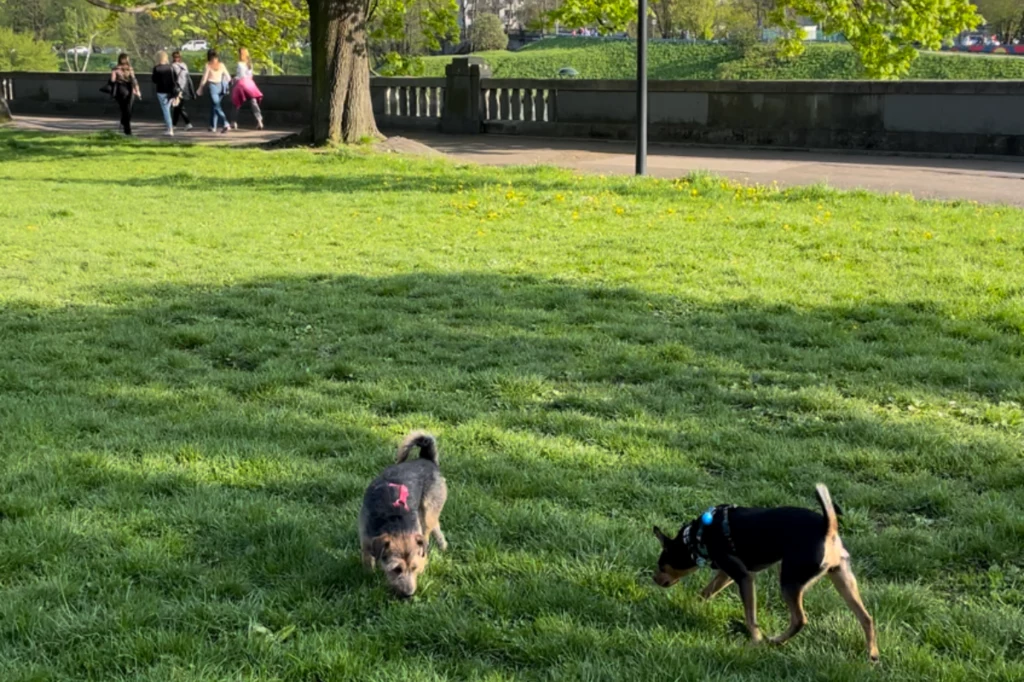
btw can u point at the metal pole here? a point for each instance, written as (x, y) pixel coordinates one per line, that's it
(641, 88)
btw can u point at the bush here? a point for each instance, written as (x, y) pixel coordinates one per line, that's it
(21, 52)
(488, 33)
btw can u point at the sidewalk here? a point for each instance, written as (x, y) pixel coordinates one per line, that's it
(983, 180)
(150, 130)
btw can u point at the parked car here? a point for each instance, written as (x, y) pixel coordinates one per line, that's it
(79, 50)
(195, 46)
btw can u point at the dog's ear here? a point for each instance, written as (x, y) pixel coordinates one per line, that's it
(661, 536)
(421, 542)
(381, 544)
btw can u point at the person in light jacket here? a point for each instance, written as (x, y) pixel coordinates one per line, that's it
(186, 91)
(245, 90)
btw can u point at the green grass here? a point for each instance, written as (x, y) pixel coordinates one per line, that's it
(208, 353)
(677, 61)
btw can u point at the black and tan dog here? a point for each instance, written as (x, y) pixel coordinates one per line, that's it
(740, 541)
(401, 510)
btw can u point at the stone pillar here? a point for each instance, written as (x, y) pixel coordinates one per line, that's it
(462, 95)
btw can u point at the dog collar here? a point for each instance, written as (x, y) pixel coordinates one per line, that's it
(694, 539)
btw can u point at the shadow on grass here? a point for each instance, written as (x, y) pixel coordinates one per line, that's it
(210, 447)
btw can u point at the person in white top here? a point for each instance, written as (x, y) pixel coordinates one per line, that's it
(245, 90)
(216, 77)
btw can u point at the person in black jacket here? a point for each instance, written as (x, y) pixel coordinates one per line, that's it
(166, 88)
(186, 90)
(125, 89)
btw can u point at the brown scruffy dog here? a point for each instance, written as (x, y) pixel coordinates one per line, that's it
(401, 510)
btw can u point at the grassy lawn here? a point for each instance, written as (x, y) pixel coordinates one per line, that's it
(208, 353)
(594, 58)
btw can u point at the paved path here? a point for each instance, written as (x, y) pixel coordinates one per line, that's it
(984, 180)
(148, 129)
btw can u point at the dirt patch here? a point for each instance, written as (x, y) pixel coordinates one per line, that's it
(403, 145)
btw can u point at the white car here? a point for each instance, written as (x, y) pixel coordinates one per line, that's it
(79, 51)
(195, 46)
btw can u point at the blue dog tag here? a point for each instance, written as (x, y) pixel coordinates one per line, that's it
(707, 517)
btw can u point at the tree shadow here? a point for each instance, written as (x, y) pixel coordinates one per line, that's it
(213, 444)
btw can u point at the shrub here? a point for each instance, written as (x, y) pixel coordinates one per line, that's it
(21, 52)
(487, 33)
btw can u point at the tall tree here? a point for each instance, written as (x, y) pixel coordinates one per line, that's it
(80, 28)
(1004, 18)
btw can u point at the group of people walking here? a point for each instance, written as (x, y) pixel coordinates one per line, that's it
(173, 84)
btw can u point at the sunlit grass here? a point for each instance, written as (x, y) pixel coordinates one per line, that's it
(207, 354)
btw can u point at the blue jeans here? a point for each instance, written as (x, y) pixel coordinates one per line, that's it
(217, 116)
(165, 108)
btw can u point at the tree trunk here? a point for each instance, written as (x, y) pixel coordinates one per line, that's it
(5, 112)
(342, 109)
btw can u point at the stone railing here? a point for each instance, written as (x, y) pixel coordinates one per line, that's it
(408, 102)
(937, 117)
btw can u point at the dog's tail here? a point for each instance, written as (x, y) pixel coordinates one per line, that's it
(421, 439)
(828, 509)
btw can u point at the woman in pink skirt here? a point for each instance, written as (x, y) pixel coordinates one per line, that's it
(245, 89)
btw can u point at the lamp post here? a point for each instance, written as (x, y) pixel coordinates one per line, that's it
(641, 88)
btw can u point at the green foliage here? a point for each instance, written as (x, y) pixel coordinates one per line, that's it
(610, 15)
(264, 27)
(594, 58)
(700, 17)
(399, 31)
(20, 52)
(191, 408)
(883, 33)
(395, 64)
(487, 32)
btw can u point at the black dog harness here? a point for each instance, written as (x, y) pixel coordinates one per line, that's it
(694, 539)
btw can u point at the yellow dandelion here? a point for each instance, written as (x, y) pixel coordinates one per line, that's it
(491, 215)
(694, 192)
(575, 215)
(559, 197)
(928, 235)
(619, 210)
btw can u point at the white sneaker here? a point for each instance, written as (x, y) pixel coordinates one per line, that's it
(213, 130)
(235, 125)
(170, 132)
(188, 127)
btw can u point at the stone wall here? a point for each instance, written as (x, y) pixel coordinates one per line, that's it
(935, 117)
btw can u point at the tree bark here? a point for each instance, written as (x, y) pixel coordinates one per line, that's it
(342, 109)
(5, 112)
